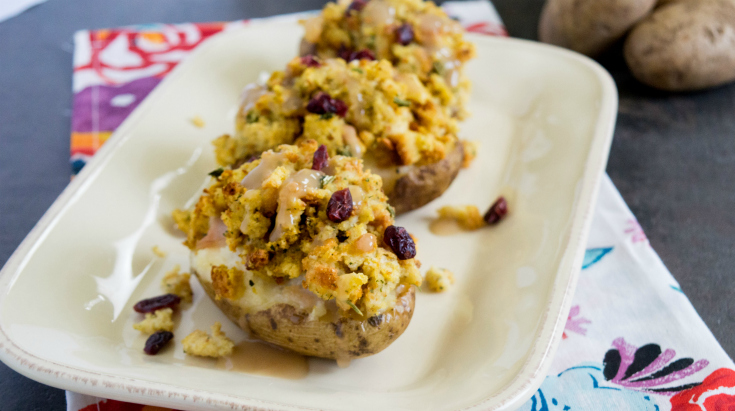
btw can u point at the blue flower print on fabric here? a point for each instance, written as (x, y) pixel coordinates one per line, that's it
(583, 387)
(593, 255)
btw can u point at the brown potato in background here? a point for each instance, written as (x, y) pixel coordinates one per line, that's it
(590, 26)
(683, 46)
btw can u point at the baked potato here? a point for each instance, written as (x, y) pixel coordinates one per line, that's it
(684, 46)
(416, 36)
(409, 188)
(590, 26)
(300, 249)
(365, 109)
(339, 336)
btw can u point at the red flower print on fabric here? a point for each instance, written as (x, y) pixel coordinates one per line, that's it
(716, 393)
(112, 405)
(575, 323)
(635, 231)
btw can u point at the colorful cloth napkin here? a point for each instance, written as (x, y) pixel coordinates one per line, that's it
(632, 339)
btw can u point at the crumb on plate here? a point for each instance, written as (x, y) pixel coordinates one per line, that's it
(201, 344)
(467, 216)
(197, 122)
(439, 279)
(158, 252)
(159, 320)
(470, 152)
(177, 283)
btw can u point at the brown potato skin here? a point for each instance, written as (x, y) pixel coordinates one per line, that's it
(423, 184)
(684, 46)
(590, 26)
(342, 338)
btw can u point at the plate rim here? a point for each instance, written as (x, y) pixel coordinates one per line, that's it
(163, 394)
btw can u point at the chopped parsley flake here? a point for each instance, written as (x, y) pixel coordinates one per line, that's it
(344, 151)
(357, 310)
(325, 180)
(438, 68)
(252, 117)
(401, 102)
(218, 172)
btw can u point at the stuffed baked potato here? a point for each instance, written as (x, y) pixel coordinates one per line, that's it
(416, 36)
(364, 109)
(299, 248)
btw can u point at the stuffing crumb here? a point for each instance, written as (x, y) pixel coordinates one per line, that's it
(197, 121)
(227, 282)
(439, 279)
(470, 152)
(177, 283)
(158, 252)
(201, 344)
(468, 216)
(159, 320)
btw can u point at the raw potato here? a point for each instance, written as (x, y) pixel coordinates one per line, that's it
(339, 338)
(590, 26)
(684, 46)
(423, 184)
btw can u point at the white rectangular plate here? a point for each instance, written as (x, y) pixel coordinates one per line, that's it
(544, 118)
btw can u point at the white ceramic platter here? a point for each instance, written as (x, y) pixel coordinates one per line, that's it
(544, 118)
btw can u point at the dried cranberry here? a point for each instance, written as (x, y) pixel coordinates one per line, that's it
(364, 54)
(344, 53)
(356, 5)
(497, 211)
(321, 157)
(404, 34)
(398, 239)
(156, 303)
(339, 207)
(340, 107)
(349, 55)
(156, 341)
(322, 103)
(310, 61)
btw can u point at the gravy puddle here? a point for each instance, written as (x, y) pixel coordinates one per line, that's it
(445, 227)
(262, 359)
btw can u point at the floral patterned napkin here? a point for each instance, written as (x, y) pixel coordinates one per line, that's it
(632, 339)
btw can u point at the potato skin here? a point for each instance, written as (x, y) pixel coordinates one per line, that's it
(590, 26)
(684, 46)
(423, 184)
(342, 338)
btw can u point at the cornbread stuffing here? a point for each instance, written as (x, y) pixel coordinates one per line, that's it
(177, 283)
(158, 252)
(197, 122)
(279, 215)
(362, 108)
(439, 279)
(201, 344)
(469, 152)
(159, 320)
(467, 216)
(416, 36)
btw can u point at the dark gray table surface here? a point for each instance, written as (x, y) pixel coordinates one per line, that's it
(673, 156)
